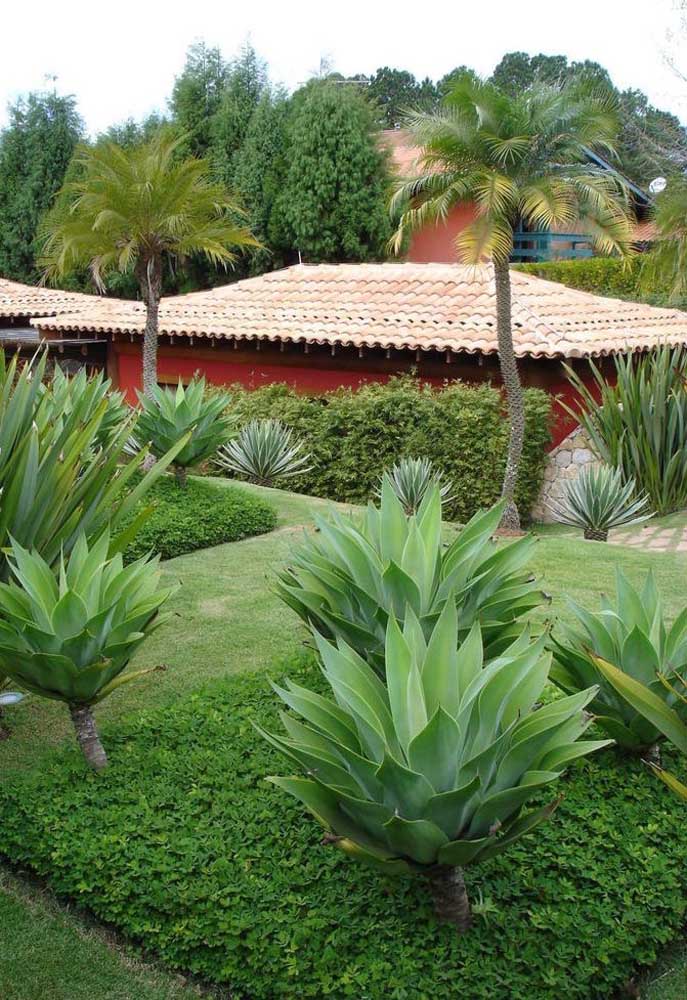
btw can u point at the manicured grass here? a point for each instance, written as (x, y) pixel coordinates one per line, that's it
(230, 620)
(48, 952)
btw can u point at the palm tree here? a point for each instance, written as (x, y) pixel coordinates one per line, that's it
(133, 210)
(520, 159)
(666, 265)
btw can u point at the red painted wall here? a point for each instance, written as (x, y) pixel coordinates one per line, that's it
(436, 244)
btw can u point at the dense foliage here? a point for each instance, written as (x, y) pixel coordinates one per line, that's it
(201, 515)
(180, 846)
(35, 150)
(352, 437)
(637, 422)
(608, 276)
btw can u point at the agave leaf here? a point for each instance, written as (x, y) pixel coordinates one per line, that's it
(648, 704)
(418, 839)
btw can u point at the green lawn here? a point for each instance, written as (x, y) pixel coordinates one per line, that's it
(228, 619)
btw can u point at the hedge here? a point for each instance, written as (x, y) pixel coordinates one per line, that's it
(353, 435)
(183, 846)
(201, 515)
(607, 276)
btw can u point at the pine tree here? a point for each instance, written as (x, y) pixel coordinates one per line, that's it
(196, 97)
(334, 200)
(35, 151)
(245, 83)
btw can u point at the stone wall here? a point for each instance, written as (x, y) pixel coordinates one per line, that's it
(564, 462)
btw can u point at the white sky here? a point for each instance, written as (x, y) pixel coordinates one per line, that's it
(120, 59)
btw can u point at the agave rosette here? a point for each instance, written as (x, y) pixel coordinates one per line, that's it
(433, 765)
(166, 415)
(264, 452)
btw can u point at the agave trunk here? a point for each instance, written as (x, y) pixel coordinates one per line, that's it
(181, 477)
(514, 397)
(451, 903)
(596, 534)
(87, 736)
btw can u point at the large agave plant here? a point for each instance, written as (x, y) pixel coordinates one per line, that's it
(64, 393)
(410, 479)
(348, 578)
(429, 771)
(68, 633)
(598, 500)
(56, 478)
(264, 452)
(167, 415)
(631, 634)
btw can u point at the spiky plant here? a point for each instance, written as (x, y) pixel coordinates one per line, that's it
(137, 211)
(347, 579)
(68, 633)
(64, 392)
(264, 452)
(631, 633)
(514, 159)
(600, 499)
(167, 415)
(410, 479)
(429, 770)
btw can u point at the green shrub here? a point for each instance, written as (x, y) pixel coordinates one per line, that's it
(352, 437)
(607, 276)
(201, 515)
(181, 846)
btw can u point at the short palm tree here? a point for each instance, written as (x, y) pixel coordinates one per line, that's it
(518, 160)
(133, 210)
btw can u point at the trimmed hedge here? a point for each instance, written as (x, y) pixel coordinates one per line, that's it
(201, 515)
(182, 845)
(603, 276)
(353, 436)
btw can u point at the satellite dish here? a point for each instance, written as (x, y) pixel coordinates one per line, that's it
(657, 185)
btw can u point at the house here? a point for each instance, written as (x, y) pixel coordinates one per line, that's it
(436, 243)
(322, 326)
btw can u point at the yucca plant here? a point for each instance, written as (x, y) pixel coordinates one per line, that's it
(600, 499)
(631, 633)
(653, 708)
(638, 424)
(67, 633)
(264, 452)
(429, 770)
(167, 415)
(56, 478)
(410, 479)
(347, 579)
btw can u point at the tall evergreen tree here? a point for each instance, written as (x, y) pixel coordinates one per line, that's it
(334, 199)
(35, 151)
(396, 92)
(244, 85)
(196, 97)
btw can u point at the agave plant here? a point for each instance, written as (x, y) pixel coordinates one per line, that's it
(166, 415)
(68, 633)
(632, 635)
(637, 422)
(55, 477)
(65, 392)
(348, 578)
(410, 479)
(598, 500)
(264, 452)
(429, 771)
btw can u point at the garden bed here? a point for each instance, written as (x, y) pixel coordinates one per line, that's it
(183, 846)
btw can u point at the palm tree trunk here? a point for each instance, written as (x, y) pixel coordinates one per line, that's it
(149, 274)
(451, 903)
(87, 736)
(514, 395)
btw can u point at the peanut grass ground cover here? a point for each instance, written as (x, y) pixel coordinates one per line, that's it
(185, 848)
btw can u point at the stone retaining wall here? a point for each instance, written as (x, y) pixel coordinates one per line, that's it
(564, 463)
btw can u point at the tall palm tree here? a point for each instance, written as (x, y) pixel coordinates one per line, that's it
(133, 210)
(517, 160)
(666, 265)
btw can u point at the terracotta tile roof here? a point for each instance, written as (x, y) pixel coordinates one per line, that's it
(31, 300)
(400, 305)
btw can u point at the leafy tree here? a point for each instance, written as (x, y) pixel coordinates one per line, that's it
(196, 97)
(396, 91)
(516, 158)
(35, 151)
(261, 167)
(244, 85)
(131, 133)
(334, 196)
(132, 211)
